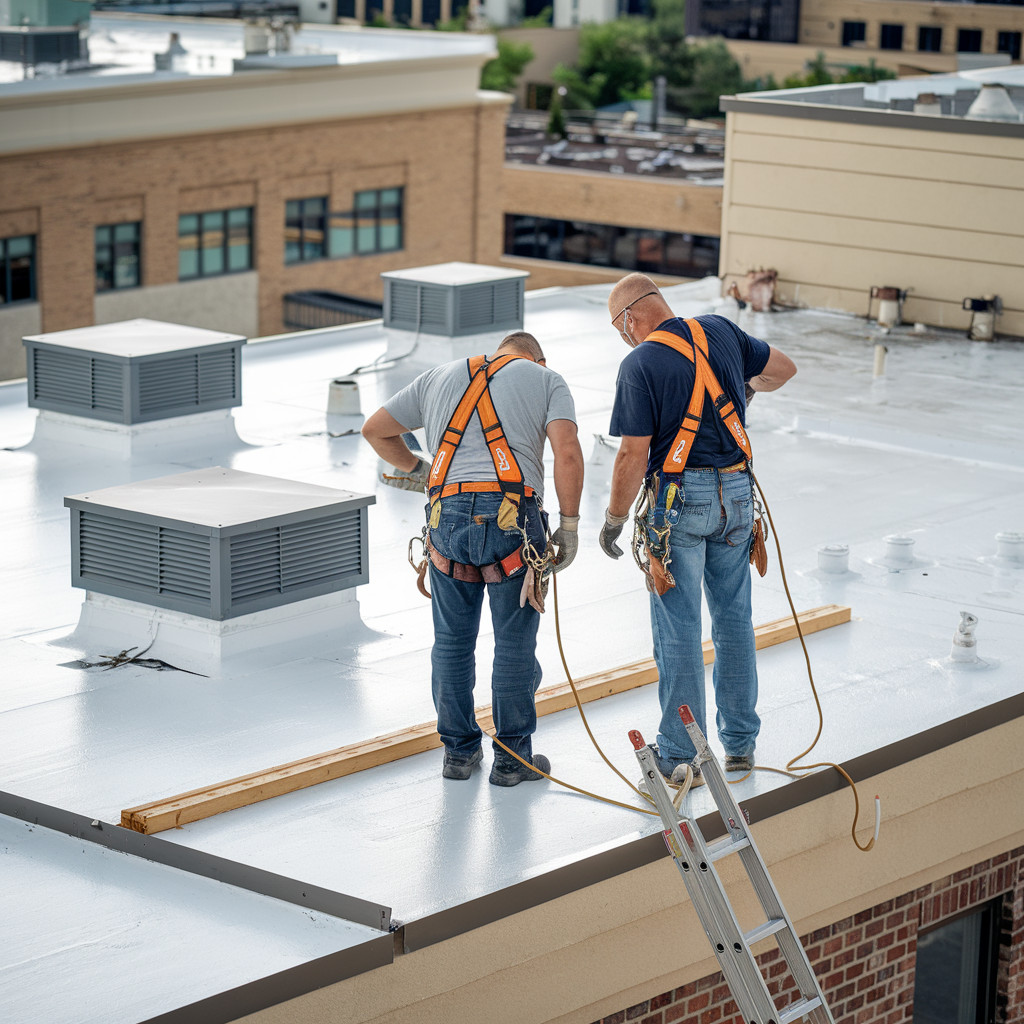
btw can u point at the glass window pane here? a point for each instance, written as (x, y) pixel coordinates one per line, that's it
(188, 224)
(102, 236)
(389, 196)
(213, 257)
(366, 200)
(239, 240)
(366, 235)
(213, 221)
(188, 263)
(21, 277)
(21, 246)
(239, 256)
(313, 229)
(390, 235)
(126, 232)
(341, 239)
(946, 976)
(240, 217)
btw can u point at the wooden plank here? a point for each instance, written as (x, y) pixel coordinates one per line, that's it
(356, 757)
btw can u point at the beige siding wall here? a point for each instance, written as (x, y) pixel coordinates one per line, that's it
(821, 21)
(836, 208)
(16, 322)
(628, 200)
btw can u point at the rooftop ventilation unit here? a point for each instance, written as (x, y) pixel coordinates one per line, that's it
(134, 372)
(218, 543)
(454, 299)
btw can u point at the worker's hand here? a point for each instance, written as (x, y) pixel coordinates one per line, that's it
(610, 534)
(414, 480)
(566, 540)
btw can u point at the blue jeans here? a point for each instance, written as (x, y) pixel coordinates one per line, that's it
(468, 532)
(710, 540)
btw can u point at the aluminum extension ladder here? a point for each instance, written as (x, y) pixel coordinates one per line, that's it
(695, 859)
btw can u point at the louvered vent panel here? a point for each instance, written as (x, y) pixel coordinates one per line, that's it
(217, 375)
(403, 301)
(506, 302)
(255, 565)
(476, 306)
(434, 307)
(107, 385)
(118, 551)
(62, 377)
(184, 564)
(316, 551)
(168, 383)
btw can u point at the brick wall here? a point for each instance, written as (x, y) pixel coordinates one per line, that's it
(865, 963)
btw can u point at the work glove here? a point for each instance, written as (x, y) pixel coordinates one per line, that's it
(750, 391)
(566, 539)
(414, 480)
(610, 534)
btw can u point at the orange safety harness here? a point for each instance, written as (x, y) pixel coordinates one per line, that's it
(705, 384)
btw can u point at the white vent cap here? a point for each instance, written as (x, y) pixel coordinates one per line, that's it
(993, 103)
(455, 274)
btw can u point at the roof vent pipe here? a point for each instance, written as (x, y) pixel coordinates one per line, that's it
(343, 398)
(834, 559)
(965, 644)
(993, 103)
(927, 103)
(899, 550)
(1010, 548)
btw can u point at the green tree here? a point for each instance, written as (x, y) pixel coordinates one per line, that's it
(870, 73)
(502, 73)
(556, 120)
(666, 43)
(542, 20)
(579, 93)
(613, 59)
(715, 73)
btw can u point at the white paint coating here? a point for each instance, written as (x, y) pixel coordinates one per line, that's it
(454, 274)
(97, 742)
(130, 339)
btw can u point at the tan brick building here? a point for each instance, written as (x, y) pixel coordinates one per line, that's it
(206, 200)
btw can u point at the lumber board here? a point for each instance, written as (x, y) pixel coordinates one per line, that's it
(197, 804)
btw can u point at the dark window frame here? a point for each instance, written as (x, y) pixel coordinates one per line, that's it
(1009, 42)
(925, 33)
(106, 271)
(375, 224)
(305, 230)
(963, 33)
(854, 32)
(7, 274)
(221, 266)
(890, 36)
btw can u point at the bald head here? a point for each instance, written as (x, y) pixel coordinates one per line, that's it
(637, 307)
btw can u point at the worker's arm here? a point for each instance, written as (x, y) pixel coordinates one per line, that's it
(384, 433)
(776, 372)
(627, 476)
(565, 446)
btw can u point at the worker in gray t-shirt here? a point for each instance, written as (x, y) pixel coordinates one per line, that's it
(486, 421)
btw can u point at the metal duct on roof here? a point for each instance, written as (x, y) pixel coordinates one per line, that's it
(993, 103)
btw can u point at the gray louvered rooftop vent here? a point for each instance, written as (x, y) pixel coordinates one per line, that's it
(454, 299)
(217, 542)
(134, 371)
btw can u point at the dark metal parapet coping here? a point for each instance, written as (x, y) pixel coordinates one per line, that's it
(199, 862)
(640, 852)
(870, 116)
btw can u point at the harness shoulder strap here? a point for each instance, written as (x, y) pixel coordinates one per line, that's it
(477, 398)
(705, 383)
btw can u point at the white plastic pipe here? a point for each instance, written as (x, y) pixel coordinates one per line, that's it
(1010, 547)
(834, 558)
(343, 398)
(899, 549)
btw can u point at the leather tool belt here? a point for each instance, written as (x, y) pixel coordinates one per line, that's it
(496, 572)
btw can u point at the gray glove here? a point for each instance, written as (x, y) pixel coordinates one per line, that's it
(414, 480)
(566, 539)
(750, 391)
(610, 534)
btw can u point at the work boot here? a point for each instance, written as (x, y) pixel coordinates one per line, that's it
(739, 762)
(457, 767)
(673, 771)
(507, 771)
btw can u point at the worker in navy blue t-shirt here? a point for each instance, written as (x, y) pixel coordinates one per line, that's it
(698, 513)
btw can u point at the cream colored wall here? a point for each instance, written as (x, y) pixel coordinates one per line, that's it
(227, 303)
(821, 21)
(836, 208)
(573, 959)
(629, 200)
(759, 59)
(551, 47)
(16, 322)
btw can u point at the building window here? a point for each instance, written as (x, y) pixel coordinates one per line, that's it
(117, 256)
(1009, 42)
(955, 974)
(346, 8)
(891, 37)
(431, 12)
(929, 39)
(17, 269)
(604, 245)
(968, 40)
(374, 225)
(304, 230)
(214, 243)
(401, 11)
(854, 33)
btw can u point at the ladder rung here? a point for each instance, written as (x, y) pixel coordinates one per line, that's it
(797, 1010)
(723, 847)
(762, 931)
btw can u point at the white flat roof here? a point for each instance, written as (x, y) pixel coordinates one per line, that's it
(132, 338)
(455, 274)
(843, 458)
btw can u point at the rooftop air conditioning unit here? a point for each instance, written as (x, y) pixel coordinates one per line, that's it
(218, 543)
(136, 371)
(454, 299)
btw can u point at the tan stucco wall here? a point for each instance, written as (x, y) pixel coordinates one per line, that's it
(629, 200)
(551, 47)
(759, 59)
(836, 208)
(228, 303)
(16, 322)
(594, 951)
(821, 21)
(449, 160)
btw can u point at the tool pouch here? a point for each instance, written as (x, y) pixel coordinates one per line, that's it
(508, 513)
(758, 551)
(664, 506)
